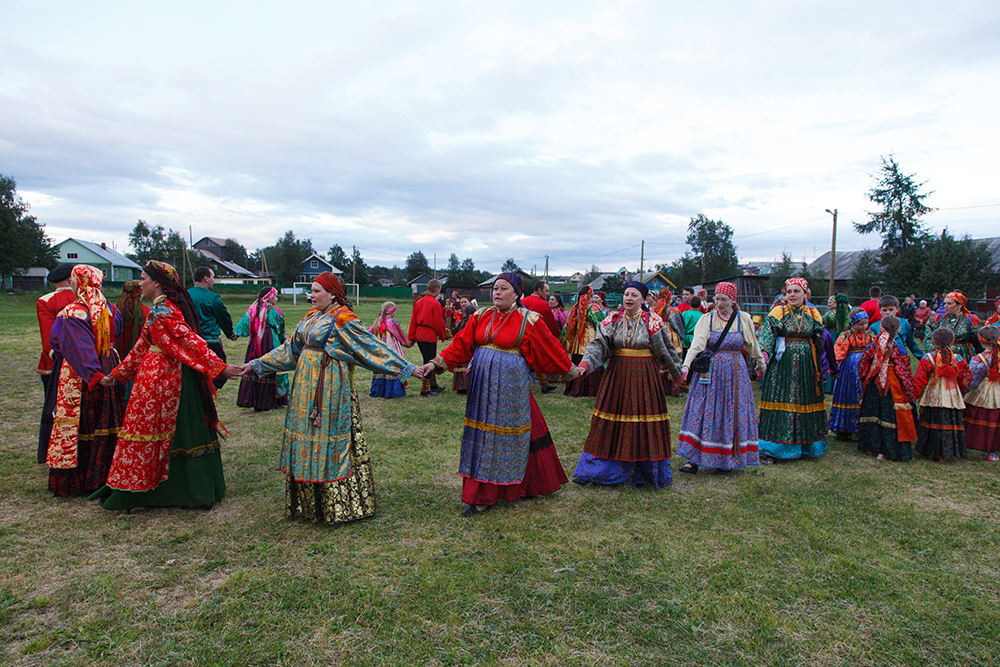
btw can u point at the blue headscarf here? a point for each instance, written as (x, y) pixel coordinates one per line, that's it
(515, 280)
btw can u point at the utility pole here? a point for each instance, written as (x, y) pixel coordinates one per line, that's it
(546, 268)
(435, 266)
(833, 250)
(642, 257)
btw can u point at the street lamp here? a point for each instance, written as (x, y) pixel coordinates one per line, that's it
(833, 249)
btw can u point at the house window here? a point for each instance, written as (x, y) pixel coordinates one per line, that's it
(71, 255)
(314, 264)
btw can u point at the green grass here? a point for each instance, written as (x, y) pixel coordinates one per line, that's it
(840, 561)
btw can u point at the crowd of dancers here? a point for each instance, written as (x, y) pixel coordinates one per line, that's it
(129, 415)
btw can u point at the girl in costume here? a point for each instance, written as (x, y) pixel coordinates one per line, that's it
(848, 349)
(941, 378)
(982, 402)
(387, 330)
(888, 417)
(264, 325)
(581, 327)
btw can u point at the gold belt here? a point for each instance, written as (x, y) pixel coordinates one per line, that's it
(629, 352)
(510, 350)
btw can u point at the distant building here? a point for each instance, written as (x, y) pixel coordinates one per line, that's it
(117, 267)
(418, 285)
(655, 280)
(313, 265)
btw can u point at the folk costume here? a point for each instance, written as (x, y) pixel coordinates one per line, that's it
(168, 447)
(460, 374)
(134, 313)
(324, 456)
(966, 343)
(629, 438)
(887, 422)
(264, 325)
(85, 415)
(904, 339)
(719, 428)
(982, 402)
(994, 319)
(47, 308)
(941, 379)
(847, 390)
(387, 330)
(792, 421)
(835, 321)
(581, 327)
(426, 329)
(507, 452)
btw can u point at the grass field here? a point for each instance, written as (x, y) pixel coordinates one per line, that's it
(840, 561)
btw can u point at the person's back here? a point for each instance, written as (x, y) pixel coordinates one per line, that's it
(213, 318)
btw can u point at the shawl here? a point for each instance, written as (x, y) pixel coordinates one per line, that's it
(576, 325)
(130, 306)
(885, 346)
(87, 282)
(258, 320)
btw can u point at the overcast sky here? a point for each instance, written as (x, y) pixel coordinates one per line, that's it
(498, 129)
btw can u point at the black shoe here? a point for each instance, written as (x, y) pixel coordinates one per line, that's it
(581, 482)
(548, 389)
(436, 390)
(689, 467)
(425, 394)
(472, 510)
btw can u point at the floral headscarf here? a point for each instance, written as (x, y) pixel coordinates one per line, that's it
(801, 282)
(959, 298)
(332, 284)
(87, 282)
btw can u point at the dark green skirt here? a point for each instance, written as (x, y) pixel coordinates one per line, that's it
(194, 474)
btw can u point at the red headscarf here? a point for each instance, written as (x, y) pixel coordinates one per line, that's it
(728, 289)
(885, 345)
(333, 285)
(87, 281)
(959, 298)
(801, 282)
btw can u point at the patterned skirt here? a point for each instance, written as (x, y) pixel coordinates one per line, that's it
(887, 423)
(460, 379)
(344, 500)
(942, 433)
(629, 439)
(194, 473)
(262, 393)
(719, 429)
(586, 386)
(982, 428)
(847, 394)
(544, 473)
(792, 421)
(101, 414)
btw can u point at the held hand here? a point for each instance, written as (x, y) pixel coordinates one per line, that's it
(425, 370)
(233, 337)
(684, 374)
(418, 372)
(106, 381)
(230, 371)
(246, 370)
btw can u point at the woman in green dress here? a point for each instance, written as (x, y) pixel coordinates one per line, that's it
(792, 420)
(324, 457)
(956, 317)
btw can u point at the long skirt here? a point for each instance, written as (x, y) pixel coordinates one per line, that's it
(629, 439)
(460, 379)
(384, 386)
(194, 473)
(262, 393)
(588, 385)
(888, 423)
(719, 428)
(941, 433)
(847, 393)
(101, 413)
(792, 421)
(543, 475)
(982, 428)
(344, 500)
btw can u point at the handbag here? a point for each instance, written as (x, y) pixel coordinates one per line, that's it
(702, 361)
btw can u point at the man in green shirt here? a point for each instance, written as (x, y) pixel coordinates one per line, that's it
(213, 318)
(691, 317)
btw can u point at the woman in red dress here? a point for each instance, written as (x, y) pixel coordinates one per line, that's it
(507, 452)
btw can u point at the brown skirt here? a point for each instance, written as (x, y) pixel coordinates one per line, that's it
(630, 420)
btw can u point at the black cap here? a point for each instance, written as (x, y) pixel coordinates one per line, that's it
(60, 273)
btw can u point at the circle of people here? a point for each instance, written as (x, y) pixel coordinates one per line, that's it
(129, 414)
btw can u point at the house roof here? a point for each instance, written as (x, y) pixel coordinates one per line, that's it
(646, 276)
(333, 269)
(847, 260)
(232, 266)
(115, 258)
(486, 283)
(214, 239)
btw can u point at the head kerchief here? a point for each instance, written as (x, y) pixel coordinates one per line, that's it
(960, 298)
(87, 281)
(801, 282)
(857, 315)
(729, 289)
(161, 272)
(332, 284)
(642, 287)
(515, 281)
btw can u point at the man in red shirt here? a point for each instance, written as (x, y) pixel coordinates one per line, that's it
(427, 328)
(538, 301)
(871, 305)
(686, 294)
(48, 307)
